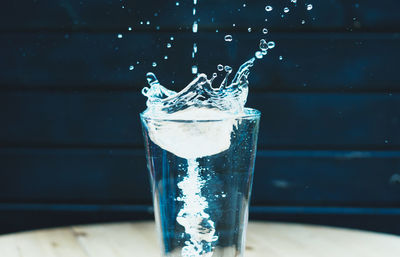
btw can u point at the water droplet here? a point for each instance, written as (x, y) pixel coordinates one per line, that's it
(169, 45)
(259, 55)
(131, 67)
(177, 3)
(249, 29)
(194, 69)
(171, 38)
(130, 28)
(286, 9)
(309, 7)
(154, 64)
(228, 68)
(268, 8)
(228, 38)
(263, 44)
(166, 57)
(119, 35)
(195, 27)
(303, 22)
(265, 31)
(280, 58)
(220, 67)
(271, 44)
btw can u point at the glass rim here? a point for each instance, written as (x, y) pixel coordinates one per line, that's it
(249, 113)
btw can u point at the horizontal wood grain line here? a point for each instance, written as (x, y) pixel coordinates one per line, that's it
(339, 210)
(261, 152)
(106, 177)
(332, 62)
(289, 120)
(95, 14)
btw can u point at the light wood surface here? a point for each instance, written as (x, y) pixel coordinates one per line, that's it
(139, 240)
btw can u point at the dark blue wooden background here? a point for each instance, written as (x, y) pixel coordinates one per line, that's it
(71, 148)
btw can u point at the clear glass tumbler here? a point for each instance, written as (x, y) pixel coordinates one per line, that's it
(201, 173)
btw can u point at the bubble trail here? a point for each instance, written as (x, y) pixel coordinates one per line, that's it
(197, 223)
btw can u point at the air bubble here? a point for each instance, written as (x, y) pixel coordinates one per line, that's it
(171, 38)
(154, 64)
(268, 8)
(131, 67)
(249, 29)
(280, 58)
(303, 22)
(130, 28)
(147, 22)
(220, 67)
(309, 7)
(264, 30)
(263, 44)
(228, 38)
(259, 55)
(169, 45)
(177, 3)
(119, 36)
(166, 57)
(271, 44)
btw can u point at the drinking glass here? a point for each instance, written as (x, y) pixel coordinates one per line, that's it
(201, 174)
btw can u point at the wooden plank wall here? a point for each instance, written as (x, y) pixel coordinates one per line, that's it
(71, 149)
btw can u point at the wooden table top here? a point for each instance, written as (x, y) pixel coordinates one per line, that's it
(139, 239)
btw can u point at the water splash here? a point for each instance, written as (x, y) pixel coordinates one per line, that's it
(229, 97)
